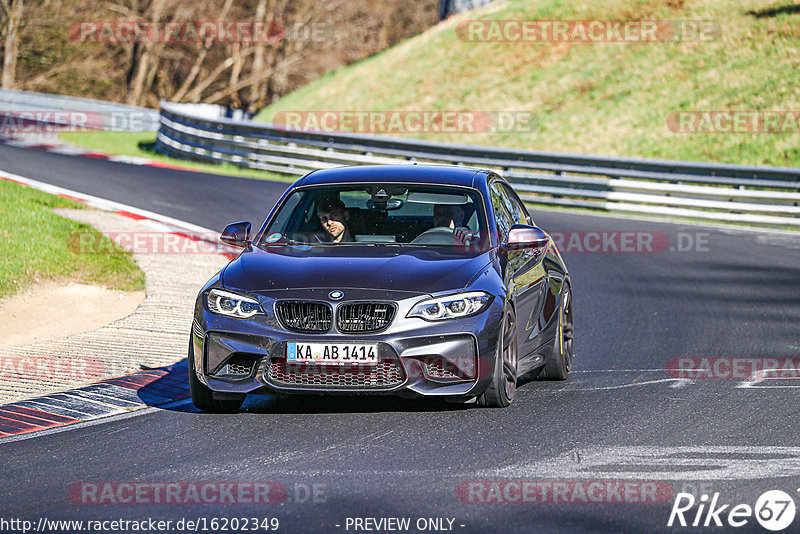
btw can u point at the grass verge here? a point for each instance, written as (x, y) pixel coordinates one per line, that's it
(36, 245)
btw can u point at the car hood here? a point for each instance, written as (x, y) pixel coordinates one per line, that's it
(419, 270)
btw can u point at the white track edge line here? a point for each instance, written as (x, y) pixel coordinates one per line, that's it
(106, 205)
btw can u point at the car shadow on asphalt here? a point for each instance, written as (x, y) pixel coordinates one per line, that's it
(319, 404)
(159, 387)
(166, 387)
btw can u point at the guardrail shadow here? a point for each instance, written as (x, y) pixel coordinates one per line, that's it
(162, 387)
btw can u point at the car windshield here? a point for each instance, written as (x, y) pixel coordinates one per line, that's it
(389, 214)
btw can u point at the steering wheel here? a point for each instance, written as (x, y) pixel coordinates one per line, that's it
(440, 235)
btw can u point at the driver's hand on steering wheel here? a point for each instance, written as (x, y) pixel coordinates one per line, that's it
(463, 235)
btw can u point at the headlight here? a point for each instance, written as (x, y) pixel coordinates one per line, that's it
(232, 305)
(451, 307)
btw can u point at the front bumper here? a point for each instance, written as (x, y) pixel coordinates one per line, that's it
(452, 358)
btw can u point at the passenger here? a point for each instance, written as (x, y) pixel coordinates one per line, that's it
(452, 216)
(448, 215)
(334, 218)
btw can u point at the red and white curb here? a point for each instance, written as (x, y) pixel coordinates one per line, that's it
(157, 221)
(113, 396)
(35, 143)
(153, 387)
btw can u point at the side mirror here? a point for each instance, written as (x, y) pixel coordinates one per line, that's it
(236, 234)
(522, 236)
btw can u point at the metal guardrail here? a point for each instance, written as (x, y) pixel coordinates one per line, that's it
(24, 110)
(724, 192)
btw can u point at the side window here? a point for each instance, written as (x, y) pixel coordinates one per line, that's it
(291, 215)
(502, 214)
(520, 212)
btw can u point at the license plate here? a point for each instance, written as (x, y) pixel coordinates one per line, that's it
(332, 353)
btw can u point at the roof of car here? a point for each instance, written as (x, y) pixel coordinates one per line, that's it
(427, 174)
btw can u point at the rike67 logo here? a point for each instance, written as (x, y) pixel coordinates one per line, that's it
(774, 510)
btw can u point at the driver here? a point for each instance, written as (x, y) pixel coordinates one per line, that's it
(334, 218)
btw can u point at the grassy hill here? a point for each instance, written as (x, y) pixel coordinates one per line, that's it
(600, 98)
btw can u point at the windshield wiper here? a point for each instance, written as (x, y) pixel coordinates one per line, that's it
(286, 242)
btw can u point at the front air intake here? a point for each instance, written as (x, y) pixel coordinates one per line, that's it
(237, 366)
(384, 375)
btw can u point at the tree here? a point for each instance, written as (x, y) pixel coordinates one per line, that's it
(305, 38)
(12, 9)
(142, 66)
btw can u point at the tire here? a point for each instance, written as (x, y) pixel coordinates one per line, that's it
(503, 387)
(559, 365)
(202, 396)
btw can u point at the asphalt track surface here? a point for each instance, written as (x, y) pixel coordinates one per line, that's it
(620, 416)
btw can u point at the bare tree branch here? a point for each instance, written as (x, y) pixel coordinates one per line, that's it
(135, 95)
(201, 57)
(258, 57)
(122, 10)
(257, 78)
(55, 71)
(236, 70)
(197, 91)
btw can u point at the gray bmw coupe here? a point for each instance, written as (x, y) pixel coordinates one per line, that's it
(409, 280)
